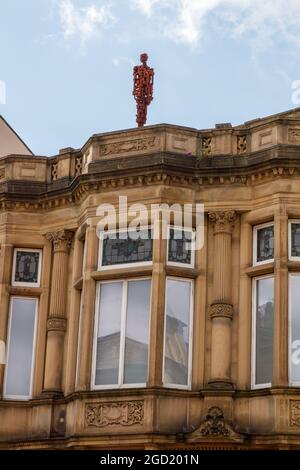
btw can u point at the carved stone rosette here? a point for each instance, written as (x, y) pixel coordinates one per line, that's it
(123, 413)
(221, 310)
(62, 240)
(223, 221)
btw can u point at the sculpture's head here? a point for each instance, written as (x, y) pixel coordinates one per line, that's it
(144, 58)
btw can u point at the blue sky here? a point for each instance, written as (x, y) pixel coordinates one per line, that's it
(67, 64)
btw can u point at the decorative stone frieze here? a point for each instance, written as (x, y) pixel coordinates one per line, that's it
(123, 413)
(136, 145)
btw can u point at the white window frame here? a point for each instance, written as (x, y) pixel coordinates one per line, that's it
(124, 265)
(191, 318)
(292, 221)
(255, 386)
(291, 382)
(254, 250)
(174, 263)
(21, 397)
(26, 284)
(120, 383)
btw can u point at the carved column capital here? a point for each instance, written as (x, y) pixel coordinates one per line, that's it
(223, 221)
(62, 240)
(221, 309)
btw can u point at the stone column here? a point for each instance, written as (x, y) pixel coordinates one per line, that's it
(221, 309)
(57, 321)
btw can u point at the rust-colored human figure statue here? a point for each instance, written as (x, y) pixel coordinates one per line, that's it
(143, 77)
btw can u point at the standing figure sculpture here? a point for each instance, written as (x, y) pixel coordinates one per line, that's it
(143, 77)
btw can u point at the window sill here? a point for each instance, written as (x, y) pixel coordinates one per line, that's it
(260, 269)
(108, 274)
(25, 291)
(294, 266)
(182, 271)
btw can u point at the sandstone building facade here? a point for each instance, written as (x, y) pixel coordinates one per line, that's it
(112, 344)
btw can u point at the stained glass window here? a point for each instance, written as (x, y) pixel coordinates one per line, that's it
(179, 246)
(265, 244)
(295, 239)
(122, 248)
(27, 266)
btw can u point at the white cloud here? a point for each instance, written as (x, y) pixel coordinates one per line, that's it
(187, 21)
(84, 22)
(117, 61)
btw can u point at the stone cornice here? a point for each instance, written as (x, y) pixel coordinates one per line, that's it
(163, 168)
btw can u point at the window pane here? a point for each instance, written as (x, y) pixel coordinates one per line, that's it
(137, 332)
(121, 250)
(178, 295)
(265, 243)
(20, 348)
(108, 337)
(264, 330)
(27, 266)
(178, 242)
(295, 238)
(295, 328)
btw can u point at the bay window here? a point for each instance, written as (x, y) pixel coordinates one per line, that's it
(122, 333)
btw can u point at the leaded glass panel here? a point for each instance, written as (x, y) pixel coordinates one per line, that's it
(295, 239)
(265, 244)
(27, 267)
(122, 248)
(179, 246)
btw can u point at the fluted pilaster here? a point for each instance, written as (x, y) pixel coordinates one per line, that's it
(57, 322)
(221, 310)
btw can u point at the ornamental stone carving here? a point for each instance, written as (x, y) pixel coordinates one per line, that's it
(61, 240)
(215, 427)
(295, 413)
(56, 324)
(241, 144)
(214, 424)
(294, 135)
(223, 221)
(137, 145)
(221, 309)
(123, 413)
